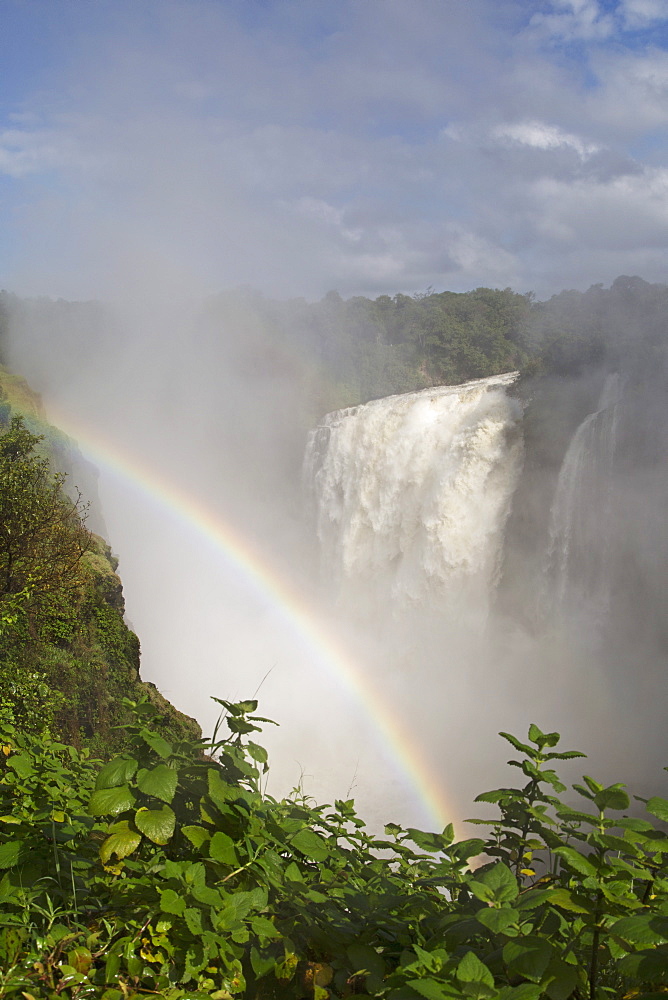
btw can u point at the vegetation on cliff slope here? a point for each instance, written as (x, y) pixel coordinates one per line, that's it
(67, 658)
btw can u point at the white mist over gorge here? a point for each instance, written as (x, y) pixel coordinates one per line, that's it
(405, 579)
(350, 501)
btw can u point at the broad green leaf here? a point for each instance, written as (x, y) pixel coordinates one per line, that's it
(265, 929)
(259, 897)
(146, 710)
(122, 841)
(542, 739)
(528, 956)
(206, 895)
(638, 931)
(576, 815)
(565, 900)
(156, 824)
(70, 976)
(431, 842)
(257, 752)
(111, 801)
(171, 902)
(80, 959)
(117, 772)
(156, 743)
(652, 966)
(7, 890)
(534, 733)
(494, 796)
(431, 989)
(497, 920)
(563, 979)
(222, 849)
(465, 849)
(238, 707)
(193, 920)
(240, 726)
(160, 782)
(219, 790)
(658, 807)
(235, 909)
(311, 845)
(525, 991)
(634, 824)
(288, 966)
(22, 764)
(618, 844)
(613, 797)
(316, 897)
(480, 891)
(434, 960)
(197, 835)
(577, 861)
(293, 873)
(472, 970)
(448, 834)
(10, 853)
(364, 958)
(500, 881)
(261, 963)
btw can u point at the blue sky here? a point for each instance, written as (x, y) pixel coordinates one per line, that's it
(371, 146)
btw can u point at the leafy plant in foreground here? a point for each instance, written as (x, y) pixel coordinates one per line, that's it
(167, 872)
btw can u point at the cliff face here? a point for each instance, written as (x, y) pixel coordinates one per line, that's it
(72, 665)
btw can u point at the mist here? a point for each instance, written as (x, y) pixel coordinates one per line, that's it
(161, 163)
(415, 536)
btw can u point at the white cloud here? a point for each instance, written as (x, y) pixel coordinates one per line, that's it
(540, 135)
(626, 212)
(632, 94)
(573, 20)
(642, 13)
(24, 152)
(396, 145)
(322, 212)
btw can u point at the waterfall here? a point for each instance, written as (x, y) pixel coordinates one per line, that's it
(411, 495)
(577, 576)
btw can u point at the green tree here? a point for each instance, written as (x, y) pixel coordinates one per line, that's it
(42, 532)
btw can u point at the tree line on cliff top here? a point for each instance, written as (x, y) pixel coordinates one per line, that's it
(340, 352)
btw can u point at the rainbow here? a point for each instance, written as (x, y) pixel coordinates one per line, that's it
(325, 649)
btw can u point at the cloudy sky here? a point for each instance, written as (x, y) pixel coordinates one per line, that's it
(371, 146)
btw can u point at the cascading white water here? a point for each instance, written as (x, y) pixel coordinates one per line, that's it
(412, 493)
(577, 574)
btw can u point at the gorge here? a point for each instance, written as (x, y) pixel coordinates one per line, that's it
(489, 554)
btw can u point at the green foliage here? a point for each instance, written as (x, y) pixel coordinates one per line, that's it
(67, 658)
(42, 537)
(167, 872)
(349, 351)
